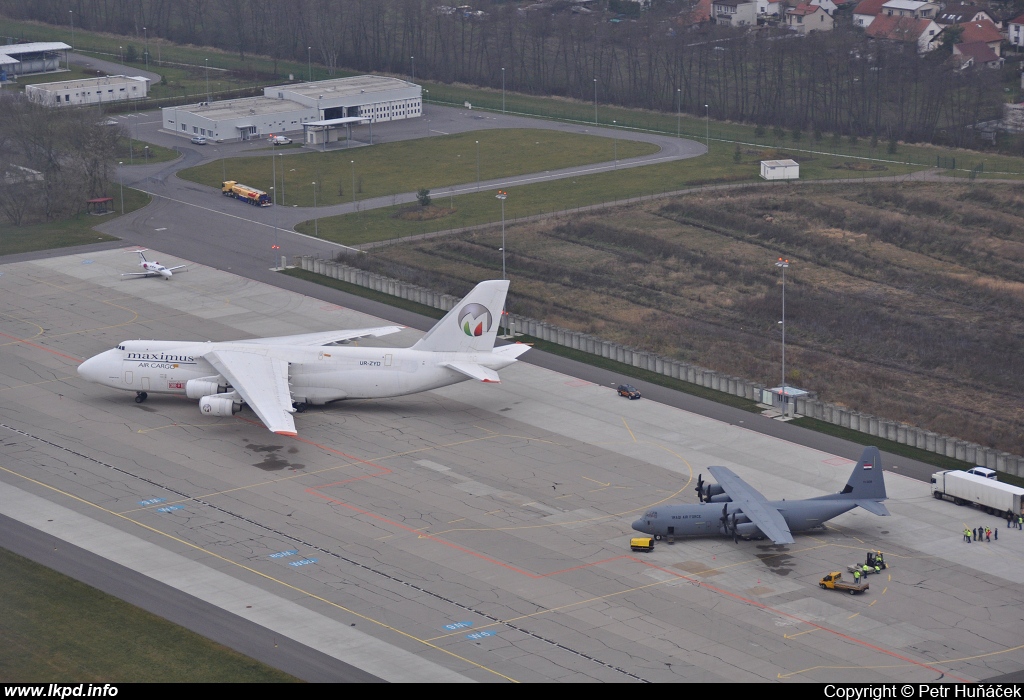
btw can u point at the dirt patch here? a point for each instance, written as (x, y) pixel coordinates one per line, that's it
(419, 213)
(860, 167)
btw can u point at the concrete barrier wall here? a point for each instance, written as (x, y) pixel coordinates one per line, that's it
(736, 386)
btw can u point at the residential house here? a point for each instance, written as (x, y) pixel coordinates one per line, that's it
(734, 13)
(828, 5)
(977, 53)
(806, 18)
(980, 31)
(1015, 31)
(866, 11)
(910, 8)
(920, 32)
(958, 13)
(769, 8)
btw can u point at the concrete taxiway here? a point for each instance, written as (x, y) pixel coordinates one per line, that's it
(475, 533)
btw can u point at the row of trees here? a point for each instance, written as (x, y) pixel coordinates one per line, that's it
(52, 160)
(827, 82)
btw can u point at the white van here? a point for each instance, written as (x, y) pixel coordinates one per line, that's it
(279, 140)
(983, 471)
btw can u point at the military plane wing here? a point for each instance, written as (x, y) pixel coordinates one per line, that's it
(755, 506)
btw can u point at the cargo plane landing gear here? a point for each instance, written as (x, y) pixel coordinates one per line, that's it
(300, 406)
(140, 396)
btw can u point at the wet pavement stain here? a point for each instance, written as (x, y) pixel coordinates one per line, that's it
(273, 462)
(777, 558)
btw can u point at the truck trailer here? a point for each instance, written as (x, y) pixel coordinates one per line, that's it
(251, 195)
(988, 494)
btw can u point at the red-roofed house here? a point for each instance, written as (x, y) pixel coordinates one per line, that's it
(912, 30)
(1015, 31)
(806, 18)
(977, 54)
(981, 30)
(866, 11)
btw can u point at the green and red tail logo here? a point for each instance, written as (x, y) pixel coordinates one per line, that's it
(475, 319)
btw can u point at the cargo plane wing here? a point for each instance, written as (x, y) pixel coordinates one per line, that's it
(744, 512)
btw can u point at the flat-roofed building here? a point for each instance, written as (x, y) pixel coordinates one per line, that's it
(282, 109)
(89, 91)
(35, 57)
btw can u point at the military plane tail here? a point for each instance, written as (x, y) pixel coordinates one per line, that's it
(866, 484)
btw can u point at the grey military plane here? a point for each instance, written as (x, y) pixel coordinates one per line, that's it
(744, 512)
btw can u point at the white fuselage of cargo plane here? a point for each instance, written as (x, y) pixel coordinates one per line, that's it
(316, 375)
(280, 376)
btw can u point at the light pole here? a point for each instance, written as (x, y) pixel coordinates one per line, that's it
(309, 61)
(146, 49)
(502, 194)
(412, 61)
(353, 184)
(707, 129)
(273, 169)
(120, 179)
(595, 100)
(502, 90)
(282, 178)
(615, 146)
(679, 109)
(72, 14)
(120, 55)
(477, 166)
(783, 264)
(316, 219)
(275, 247)
(207, 79)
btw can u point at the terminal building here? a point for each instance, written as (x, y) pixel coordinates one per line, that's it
(316, 111)
(89, 91)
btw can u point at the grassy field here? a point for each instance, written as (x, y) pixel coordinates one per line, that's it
(67, 233)
(406, 166)
(720, 166)
(904, 300)
(53, 628)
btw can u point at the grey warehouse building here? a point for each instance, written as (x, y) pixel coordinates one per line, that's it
(311, 108)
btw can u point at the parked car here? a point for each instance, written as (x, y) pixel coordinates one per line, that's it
(279, 140)
(983, 471)
(629, 391)
(201, 140)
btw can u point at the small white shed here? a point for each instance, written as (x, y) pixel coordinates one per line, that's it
(780, 170)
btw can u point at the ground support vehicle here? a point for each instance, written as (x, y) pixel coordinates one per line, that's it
(641, 544)
(250, 195)
(834, 580)
(874, 562)
(990, 495)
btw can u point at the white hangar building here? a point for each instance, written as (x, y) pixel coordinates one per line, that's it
(34, 57)
(312, 108)
(89, 91)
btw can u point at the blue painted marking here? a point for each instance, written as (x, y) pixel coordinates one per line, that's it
(481, 635)
(152, 501)
(288, 553)
(302, 562)
(87, 262)
(458, 626)
(168, 509)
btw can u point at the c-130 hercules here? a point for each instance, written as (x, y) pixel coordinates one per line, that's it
(733, 507)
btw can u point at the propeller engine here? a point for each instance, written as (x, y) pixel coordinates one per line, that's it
(706, 493)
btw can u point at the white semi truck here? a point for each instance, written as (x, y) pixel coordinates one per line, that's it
(988, 494)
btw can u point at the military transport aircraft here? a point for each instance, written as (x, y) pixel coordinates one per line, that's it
(744, 512)
(280, 376)
(151, 267)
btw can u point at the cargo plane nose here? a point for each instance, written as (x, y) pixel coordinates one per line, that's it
(99, 369)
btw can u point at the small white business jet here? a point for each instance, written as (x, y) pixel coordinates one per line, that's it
(277, 377)
(151, 267)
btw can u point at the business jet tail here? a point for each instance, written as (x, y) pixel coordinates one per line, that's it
(472, 324)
